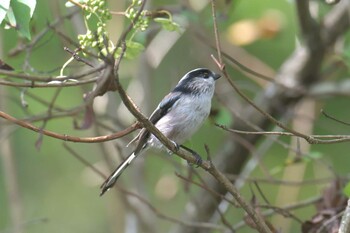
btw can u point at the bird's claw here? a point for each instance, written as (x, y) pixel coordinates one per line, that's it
(198, 160)
(177, 147)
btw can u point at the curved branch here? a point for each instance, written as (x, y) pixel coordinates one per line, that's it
(220, 177)
(300, 70)
(68, 138)
(45, 79)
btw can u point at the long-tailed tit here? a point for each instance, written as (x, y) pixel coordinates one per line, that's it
(178, 116)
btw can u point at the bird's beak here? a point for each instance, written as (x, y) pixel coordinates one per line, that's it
(216, 76)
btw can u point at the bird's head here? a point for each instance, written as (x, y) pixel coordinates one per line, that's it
(197, 81)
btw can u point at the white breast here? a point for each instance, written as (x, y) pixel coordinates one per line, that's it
(184, 119)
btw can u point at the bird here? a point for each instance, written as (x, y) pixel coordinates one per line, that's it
(178, 116)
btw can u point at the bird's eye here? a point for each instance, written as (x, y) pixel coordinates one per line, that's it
(205, 75)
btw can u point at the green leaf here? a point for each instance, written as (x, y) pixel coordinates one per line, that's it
(10, 18)
(23, 11)
(134, 45)
(4, 7)
(134, 49)
(346, 190)
(167, 24)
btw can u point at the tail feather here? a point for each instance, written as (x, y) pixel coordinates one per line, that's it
(112, 179)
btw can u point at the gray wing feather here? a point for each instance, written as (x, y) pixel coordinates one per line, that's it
(163, 108)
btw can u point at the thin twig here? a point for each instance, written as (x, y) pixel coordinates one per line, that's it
(216, 32)
(213, 192)
(273, 181)
(281, 211)
(301, 204)
(77, 57)
(45, 79)
(158, 213)
(181, 152)
(334, 119)
(317, 138)
(309, 139)
(83, 160)
(256, 217)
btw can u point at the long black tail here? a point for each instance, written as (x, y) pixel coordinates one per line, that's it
(117, 172)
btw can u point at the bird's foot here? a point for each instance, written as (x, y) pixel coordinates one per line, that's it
(198, 160)
(177, 146)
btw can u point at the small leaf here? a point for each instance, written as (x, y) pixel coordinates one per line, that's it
(10, 18)
(134, 49)
(162, 20)
(346, 190)
(167, 24)
(134, 45)
(4, 7)
(23, 11)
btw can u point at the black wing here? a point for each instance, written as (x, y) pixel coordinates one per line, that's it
(163, 108)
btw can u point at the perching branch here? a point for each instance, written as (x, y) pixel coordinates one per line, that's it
(184, 153)
(300, 70)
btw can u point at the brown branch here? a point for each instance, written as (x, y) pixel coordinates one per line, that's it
(301, 204)
(45, 79)
(216, 33)
(220, 177)
(65, 137)
(256, 217)
(77, 57)
(309, 27)
(300, 70)
(213, 192)
(149, 126)
(337, 138)
(273, 181)
(48, 85)
(334, 119)
(179, 151)
(309, 139)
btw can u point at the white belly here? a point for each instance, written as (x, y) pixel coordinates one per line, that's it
(181, 122)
